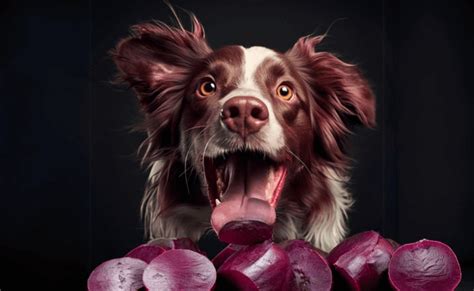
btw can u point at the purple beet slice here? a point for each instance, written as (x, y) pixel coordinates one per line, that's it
(117, 274)
(245, 232)
(223, 255)
(145, 252)
(263, 266)
(311, 270)
(361, 260)
(180, 269)
(394, 244)
(424, 265)
(177, 243)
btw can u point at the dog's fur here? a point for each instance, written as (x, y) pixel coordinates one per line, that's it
(164, 64)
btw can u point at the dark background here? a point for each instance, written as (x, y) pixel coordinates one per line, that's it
(71, 184)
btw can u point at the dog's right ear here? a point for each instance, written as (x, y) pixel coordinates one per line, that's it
(157, 60)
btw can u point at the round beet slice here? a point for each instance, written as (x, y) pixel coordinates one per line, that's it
(311, 270)
(245, 232)
(145, 252)
(424, 265)
(361, 260)
(180, 269)
(177, 243)
(117, 274)
(263, 266)
(223, 255)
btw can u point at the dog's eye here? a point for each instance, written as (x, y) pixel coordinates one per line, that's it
(206, 88)
(284, 92)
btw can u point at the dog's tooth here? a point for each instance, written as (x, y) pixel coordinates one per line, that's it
(218, 201)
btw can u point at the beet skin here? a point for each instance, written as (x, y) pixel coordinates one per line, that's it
(362, 260)
(261, 267)
(145, 252)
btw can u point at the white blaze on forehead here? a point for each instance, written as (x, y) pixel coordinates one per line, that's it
(254, 56)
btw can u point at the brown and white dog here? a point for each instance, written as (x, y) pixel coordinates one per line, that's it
(243, 133)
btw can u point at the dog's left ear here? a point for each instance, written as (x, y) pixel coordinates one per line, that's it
(336, 85)
(157, 60)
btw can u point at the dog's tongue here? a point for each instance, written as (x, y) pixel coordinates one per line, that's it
(248, 197)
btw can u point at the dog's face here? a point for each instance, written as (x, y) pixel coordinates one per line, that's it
(252, 124)
(243, 116)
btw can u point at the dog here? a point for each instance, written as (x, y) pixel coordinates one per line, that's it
(243, 133)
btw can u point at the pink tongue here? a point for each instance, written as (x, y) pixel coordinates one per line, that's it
(246, 197)
(247, 178)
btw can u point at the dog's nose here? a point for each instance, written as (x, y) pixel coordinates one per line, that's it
(244, 115)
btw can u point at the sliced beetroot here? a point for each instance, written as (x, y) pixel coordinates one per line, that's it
(245, 232)
(362, 260)
(177, 243)
(117, 274)
(311, 270)
(424, 265)
(223, 255)
(180, 269)
(394, 244)
(145, 252)
(263, 266)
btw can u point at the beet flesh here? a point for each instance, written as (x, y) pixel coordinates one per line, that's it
(145, 252)
(263, 266)
(424, 265)
(311, 270)
(361, 261)
(223, 255)
(177, 243)
(245, 232)
(180, 269)
(117, 274)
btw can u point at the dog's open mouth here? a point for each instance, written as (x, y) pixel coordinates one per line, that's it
(243, 186)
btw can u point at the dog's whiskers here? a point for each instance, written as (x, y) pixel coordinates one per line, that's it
(195, 127)
(187, 153)
(299, 160)
(204, 152)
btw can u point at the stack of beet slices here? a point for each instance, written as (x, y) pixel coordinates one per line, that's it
(365, 261)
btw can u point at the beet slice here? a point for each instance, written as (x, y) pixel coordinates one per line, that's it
(361, 260)
(180, 269)
(145, 252)
(263, 266)
(424, 265)
(223, 255)
(117, 274)
(245, 232)
(177, 243)
(311, 270)
(394, 244)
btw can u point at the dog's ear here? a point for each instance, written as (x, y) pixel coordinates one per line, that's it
(157, 59)
(340, 97)
(334, 82)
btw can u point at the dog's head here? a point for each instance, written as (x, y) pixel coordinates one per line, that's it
(238, 128)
